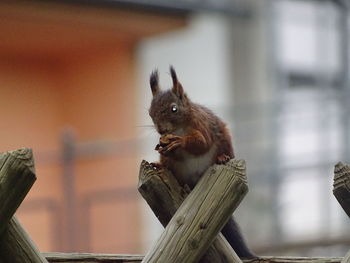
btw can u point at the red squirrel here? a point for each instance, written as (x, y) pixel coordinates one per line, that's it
(192, 139)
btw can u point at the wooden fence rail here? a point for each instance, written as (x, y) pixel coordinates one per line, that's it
(110, 258)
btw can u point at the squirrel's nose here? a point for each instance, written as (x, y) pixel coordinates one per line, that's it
(162, 131)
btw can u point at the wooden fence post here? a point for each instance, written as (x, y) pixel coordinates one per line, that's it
(16, 178)
(341, 191)
(164, 195)
(202, 215)
(341, 185)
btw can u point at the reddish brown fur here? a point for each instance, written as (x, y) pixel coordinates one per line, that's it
(194, 130)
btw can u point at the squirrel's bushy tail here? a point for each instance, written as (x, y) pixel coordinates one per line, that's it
(233, 235)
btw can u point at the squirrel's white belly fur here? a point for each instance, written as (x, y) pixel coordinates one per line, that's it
(192, 167)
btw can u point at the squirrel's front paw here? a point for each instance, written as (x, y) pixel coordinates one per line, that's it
(168, 138)
(168, 143)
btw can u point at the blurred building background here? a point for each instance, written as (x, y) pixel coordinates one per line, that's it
(74, 87)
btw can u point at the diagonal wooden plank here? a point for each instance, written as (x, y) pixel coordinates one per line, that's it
(341, 190)
(202, 215)
(17, 176)
(341, 186)
(164, 195)
(16, 246)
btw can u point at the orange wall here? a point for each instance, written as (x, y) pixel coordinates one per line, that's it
(30, 113)
(106, 77)
(94, 93)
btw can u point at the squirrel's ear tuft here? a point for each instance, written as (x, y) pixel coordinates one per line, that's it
(177, 87)
(173, 75)
(154, 82)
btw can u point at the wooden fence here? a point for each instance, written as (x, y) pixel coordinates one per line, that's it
(192, 220)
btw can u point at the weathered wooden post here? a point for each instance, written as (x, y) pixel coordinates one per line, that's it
(164, 195)
(341, 186)
(16, 178)
(202, 215)
(341, 191)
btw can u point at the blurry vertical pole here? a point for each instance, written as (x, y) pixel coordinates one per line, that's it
(278, 82)
(343, 7)
(254, 94)
(322, 25)
(344, 47)
(343, 28)
(275, 176)
(69, 196)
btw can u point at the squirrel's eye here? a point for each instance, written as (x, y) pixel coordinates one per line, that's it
(173, 108)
